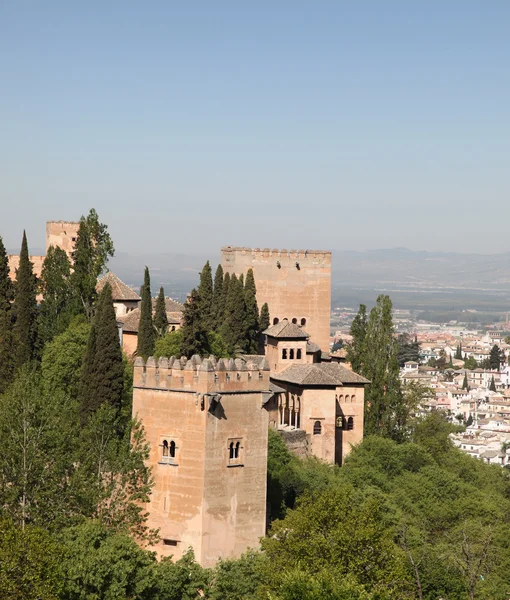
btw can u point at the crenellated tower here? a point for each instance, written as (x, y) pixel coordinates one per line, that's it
(296, 284)
(207, 427)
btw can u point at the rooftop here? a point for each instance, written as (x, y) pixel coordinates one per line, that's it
(286, 330)
(120, 291)
(329, 374)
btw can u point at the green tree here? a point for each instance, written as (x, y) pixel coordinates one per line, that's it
(496, 358)
(160, 318)
(169, 345)
(251, 323)
(408, 350)
(62, 359)
(233, 328)
(25, 309)
(356, 348)
(465, 385)
(458, 352)
(98, 563)
(383, 397)
(30, 564)
(340, 531)
(239, 579)
(184, 579)
(218, 307)
(205, 295)
(226, 285)
(93, 248)
(194, 336)
(55, 287)
(6, 297)
(264, 321)
(146, 331)
(103, 370)
(492, 386)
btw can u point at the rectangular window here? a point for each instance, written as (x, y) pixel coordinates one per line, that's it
(235, 452)
(167, 542)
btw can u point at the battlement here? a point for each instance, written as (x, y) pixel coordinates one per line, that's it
(206, 375)
(264, 253)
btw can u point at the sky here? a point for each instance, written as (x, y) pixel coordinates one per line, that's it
(289, 124)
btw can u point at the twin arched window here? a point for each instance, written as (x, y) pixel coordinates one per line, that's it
(168, 450)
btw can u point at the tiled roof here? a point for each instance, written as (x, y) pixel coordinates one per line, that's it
(311, 348)
(331, 374)
(285, 329)
(131, 320)
(120, 291)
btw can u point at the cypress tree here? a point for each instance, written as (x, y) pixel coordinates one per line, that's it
(217, 304)
(264, 317)
(25, 309)
(492, 386)
(6, 296)
(226, 285)
(233, 328)
(194, 336)
(103, 369)
(495, 358)
(146, 331)
(160, 318)
(205, 295)
(264, 324)
(465, 385)
(251, 324)
(356, 348)
(241, 280)
(91, 252)
(55, 287)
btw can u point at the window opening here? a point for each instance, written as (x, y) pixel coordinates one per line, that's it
(291, 353)
(303, 322)
(165, 448)
(317, 428)
(298, 353)
(350, 424)
(284, 354)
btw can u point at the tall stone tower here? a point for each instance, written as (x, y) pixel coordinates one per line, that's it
(62, 234)
(296, 285)
(207, 428)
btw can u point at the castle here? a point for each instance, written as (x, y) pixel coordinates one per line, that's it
(207, 420)
(61, 234)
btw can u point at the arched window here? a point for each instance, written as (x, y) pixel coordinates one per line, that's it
(294, 320)
(173, 327)
(317, 428)
(350, 424)
(284, 354)
(347, 397)
(339, 422)
(341, 398)
(298, 353)
(353, 398)
(303, 322)
(236, 449)
(291, 353)
(276, 321)
(172, 449)
(231, 453)
(165, 448)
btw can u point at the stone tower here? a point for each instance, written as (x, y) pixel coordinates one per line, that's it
(62, 234)
(207, 428)
(296, 285)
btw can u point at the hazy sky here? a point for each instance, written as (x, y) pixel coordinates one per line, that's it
(190, 125)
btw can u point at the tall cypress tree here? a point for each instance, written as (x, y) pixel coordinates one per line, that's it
(492, 386)
(103, 370)
(465, 385)
(264, 321)
(217, 304)
(146, 331)
(25, 309)
(205, 295)
(233, 328)
(356, 348)
(55, 287)
(226, 285)
(251, 324)
(6, 296)
(194, 335)
(160, 318)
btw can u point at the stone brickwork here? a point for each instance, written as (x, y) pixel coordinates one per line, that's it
(207, 429)
(296, 284)
(58, 233)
